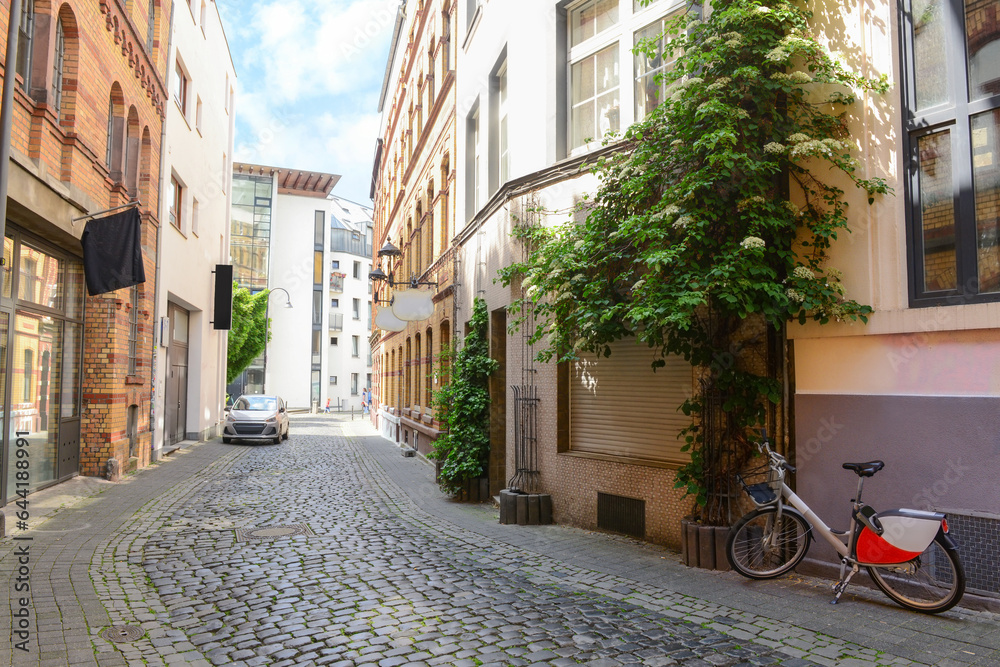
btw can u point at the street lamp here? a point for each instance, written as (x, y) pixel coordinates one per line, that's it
(407, 305)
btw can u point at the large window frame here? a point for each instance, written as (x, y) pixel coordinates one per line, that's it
(947, 157)
(605, 32)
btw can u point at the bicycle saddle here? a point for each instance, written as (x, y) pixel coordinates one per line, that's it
(865, 469)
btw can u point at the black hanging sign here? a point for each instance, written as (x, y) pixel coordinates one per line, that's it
(112, 252)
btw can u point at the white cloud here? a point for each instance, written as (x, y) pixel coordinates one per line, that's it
(309, 74)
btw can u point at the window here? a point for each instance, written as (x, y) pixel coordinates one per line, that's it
(109, 149)
(354, 384)
(29, 375)
(951, 54)
(133, 331)
(472, 186)
(648, 89)
(355, 346)
(194, 216)
(601, 36)
(176, 201)
(502, 127)
(357, 269)
(333, 379)
(356, 308)
(58, 62)
(180, 87)
(151, 26)
(335, 303)
(26, 33)
(333, 340)
(319, 222)
(317, 267)
(334, 264)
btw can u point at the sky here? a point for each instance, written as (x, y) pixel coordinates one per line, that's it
(308, 76)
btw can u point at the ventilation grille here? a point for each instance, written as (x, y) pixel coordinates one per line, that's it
(621, 515)
(978, 541)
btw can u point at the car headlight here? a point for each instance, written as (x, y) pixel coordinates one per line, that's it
(271, 420)
(229, 417)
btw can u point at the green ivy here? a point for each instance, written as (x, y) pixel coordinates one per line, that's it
(717, 208)
(463, 406)
(247, 335)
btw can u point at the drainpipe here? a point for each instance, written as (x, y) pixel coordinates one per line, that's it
(157, 331)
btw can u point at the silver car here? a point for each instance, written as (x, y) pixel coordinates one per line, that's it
(256, 417)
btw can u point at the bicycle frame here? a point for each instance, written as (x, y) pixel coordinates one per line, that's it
(906, 532)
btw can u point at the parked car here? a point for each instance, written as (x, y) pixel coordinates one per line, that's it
(256, 417)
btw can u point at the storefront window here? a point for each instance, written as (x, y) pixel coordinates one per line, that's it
(35, 397)
(8, 262)
(40, 278)
(70, 395)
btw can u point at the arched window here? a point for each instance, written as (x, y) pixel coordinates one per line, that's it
(151, 27)
(29, 375)
(115, 153)
(417, 375)
(26, 35)
(130, 167)
(58, 59)
(429, 374)
(145, 191)
(443, 198)
(407, 375)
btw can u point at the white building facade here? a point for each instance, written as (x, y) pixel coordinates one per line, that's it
(317, 259)
(190, 360)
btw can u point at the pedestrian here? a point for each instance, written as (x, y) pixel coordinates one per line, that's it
(327, 406)
(364, 401)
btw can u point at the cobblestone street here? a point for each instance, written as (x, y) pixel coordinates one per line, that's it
(332, 549)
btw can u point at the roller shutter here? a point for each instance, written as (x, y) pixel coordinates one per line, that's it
(620, 407)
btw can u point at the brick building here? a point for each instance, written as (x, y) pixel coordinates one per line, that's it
(87, 116)
(413, 189)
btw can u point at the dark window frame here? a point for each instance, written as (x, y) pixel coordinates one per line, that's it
(953, 117)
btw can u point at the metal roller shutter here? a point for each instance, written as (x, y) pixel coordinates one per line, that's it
(620, 407)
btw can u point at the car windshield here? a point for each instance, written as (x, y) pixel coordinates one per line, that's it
(256, 403)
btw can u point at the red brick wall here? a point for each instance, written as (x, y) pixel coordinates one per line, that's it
(106, 44)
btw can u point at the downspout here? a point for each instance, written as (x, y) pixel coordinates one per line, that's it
(157, 331)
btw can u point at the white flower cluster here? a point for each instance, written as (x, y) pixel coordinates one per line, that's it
(798, 76)
(803, 273)
(774, 147)
(798, 137)
(749, 202)
(682, 222)
(777, 54)
(751, 242)
(795, 295)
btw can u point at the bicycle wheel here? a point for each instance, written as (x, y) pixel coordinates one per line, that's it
(931, 583)
(762, 547)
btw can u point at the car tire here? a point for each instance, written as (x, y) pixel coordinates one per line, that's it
(277, 439)
(227, 441)
(287, 429)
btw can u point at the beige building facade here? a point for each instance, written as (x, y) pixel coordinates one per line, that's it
(414, 211)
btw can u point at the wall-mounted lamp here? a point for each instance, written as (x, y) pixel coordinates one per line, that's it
(407, 305)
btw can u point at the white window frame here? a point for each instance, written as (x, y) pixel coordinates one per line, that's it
(631, 19)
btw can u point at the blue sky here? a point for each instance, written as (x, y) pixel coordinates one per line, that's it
(308, 75)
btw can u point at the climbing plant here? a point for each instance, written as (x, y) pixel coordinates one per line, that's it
(463, 406)
(247, 335)
(718, 209)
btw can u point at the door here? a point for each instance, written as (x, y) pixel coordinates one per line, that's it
(175, 398)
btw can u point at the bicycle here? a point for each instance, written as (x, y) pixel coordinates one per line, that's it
(908, 553)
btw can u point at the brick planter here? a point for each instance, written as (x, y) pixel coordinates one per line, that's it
(704, 546)
(525, 509)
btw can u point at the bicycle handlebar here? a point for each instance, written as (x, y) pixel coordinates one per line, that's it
(764, 446)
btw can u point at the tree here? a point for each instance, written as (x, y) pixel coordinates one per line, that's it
(463, 406)
(716, 210)
(247, 335)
